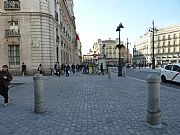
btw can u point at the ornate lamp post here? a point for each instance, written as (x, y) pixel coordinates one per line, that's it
(152, 30)
(57, 47)
(103, 50)
(127, 44)
(119, 46)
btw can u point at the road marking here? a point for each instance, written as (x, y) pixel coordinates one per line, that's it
(175, 76)
(161, 85)
(137, 79)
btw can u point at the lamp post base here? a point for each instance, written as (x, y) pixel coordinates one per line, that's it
(153, 63)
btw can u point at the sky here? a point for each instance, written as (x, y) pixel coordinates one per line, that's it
(98, 19)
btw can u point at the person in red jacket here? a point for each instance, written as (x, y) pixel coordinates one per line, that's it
(5, 79)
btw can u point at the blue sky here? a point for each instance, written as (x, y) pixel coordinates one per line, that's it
(98, 19)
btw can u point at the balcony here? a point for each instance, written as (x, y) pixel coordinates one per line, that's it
(12, 33)
(12, 5)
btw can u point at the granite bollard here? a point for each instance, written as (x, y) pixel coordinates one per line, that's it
(109, 72)
(153, 117)
(39, 105)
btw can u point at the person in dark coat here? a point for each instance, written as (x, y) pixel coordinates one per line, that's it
(5, 79)
(101, 68)
(73, 68)
(67, 68)
(23, 69)
(40, 69)
(57, 69)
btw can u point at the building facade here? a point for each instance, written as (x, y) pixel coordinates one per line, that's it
(37, 32)
(166, 47)
(108, 49)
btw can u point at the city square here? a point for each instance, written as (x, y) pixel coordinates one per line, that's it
(89, 67)
(87, 104)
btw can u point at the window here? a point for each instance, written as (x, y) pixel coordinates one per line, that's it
(174, 49)
(13, 55)
(163, 44)
(168, 67)
(163, 37)
(176, 68)
(13, 29)
(168, 43)
(13, 25)
(168, 50)
(169, 37)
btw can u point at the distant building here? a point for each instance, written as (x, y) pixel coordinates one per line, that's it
(166, 47)
(108, 48)
(37, 31)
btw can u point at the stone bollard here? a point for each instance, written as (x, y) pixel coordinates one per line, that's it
(109, 72)
(39, 105)
(153, 117)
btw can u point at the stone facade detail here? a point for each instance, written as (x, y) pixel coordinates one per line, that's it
(32, 33)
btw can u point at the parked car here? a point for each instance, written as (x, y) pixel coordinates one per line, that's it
(171, 72)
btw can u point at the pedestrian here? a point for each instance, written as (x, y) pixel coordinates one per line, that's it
(102, 70)
(57, 69)
(5, 79)
(67, 69)
(40, 69)
(23, 69)
(124, 70)
(73, 68)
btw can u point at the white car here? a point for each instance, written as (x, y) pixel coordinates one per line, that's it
(171, 72)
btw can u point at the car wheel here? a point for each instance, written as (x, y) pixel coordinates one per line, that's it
(163, 78)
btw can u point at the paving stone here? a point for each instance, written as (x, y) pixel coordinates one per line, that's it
(83, 104)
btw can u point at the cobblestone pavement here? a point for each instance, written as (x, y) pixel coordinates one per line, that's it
(85, 104)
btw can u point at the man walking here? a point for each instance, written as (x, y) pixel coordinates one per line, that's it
(101, 68)
(23, 69)
(57, 69)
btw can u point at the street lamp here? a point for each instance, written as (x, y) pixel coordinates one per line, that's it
(103, 50)
(127, 50)
(57, 47)
(152, 30)
(119, 46)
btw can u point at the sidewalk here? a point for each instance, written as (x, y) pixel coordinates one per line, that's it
(85, 104)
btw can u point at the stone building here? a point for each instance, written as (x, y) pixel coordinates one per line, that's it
(111, 52)
(37, 32)
(166, 47)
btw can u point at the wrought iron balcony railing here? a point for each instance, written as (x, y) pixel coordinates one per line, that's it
(12, 32)
(12, 5)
